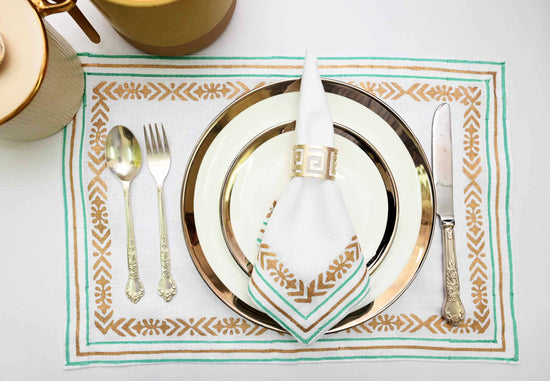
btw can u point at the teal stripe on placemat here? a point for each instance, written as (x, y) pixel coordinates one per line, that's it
(267, 75)
(191, 58)
(84, 219)
(508, 231)
(327, 358)
(490, 220)
(323, 340)
(66, 220)
(291, 360)
(263, 76)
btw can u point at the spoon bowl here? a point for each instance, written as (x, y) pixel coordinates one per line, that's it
(123, 157)
(122, 153)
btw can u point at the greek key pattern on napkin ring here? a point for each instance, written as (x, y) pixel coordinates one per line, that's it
(314, 161)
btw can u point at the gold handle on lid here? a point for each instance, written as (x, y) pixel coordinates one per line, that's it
(48, 7)
(45, 8)
(84, 24)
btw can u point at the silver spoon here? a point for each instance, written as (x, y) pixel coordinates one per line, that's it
(123, 157)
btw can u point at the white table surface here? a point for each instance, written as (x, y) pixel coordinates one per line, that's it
(32, 311)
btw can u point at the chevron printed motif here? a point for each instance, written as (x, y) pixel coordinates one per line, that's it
(160, 91)
(296, 288)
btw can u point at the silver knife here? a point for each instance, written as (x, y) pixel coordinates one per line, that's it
(442, 159)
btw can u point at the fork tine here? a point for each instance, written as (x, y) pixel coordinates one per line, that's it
(166, 147)
(159, 141)
(147, 144)
(153, 142)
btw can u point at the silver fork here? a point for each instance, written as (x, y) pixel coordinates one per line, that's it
(158, 160)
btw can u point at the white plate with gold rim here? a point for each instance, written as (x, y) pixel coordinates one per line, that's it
(241, 164)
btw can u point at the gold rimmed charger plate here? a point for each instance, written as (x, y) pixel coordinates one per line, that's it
(414, 237)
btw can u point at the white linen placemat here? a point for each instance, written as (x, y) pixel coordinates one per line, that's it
(104, 328)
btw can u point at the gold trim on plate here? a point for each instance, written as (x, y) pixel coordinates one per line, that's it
(366, 99)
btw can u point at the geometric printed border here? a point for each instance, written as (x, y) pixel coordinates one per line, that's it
(105, 318)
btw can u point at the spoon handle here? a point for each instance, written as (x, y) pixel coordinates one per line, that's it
(166, 286)
(134, 287)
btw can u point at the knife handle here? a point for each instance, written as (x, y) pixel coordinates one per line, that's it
(453, 309)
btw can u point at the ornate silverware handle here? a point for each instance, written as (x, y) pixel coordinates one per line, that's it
(453, 309)
(134, 287)
(166, 286)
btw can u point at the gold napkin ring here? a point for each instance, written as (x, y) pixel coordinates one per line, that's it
(314, 161)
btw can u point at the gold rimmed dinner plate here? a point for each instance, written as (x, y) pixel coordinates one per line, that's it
(249, 118)
(387, 192)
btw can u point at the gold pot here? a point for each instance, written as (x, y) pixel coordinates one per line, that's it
(41, 78)
(168, 27)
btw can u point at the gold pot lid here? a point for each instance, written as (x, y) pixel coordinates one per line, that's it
(25, 56)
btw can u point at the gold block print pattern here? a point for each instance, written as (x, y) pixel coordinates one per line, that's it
(107, 320)
(299, 291)
(314, 161)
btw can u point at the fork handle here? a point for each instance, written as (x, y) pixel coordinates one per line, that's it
(453, 309)
(166, 286)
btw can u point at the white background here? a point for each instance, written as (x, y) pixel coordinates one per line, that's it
(32, 251)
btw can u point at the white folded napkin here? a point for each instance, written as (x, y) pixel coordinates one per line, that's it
(310, 271)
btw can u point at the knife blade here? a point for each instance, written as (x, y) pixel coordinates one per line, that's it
(442, 159)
